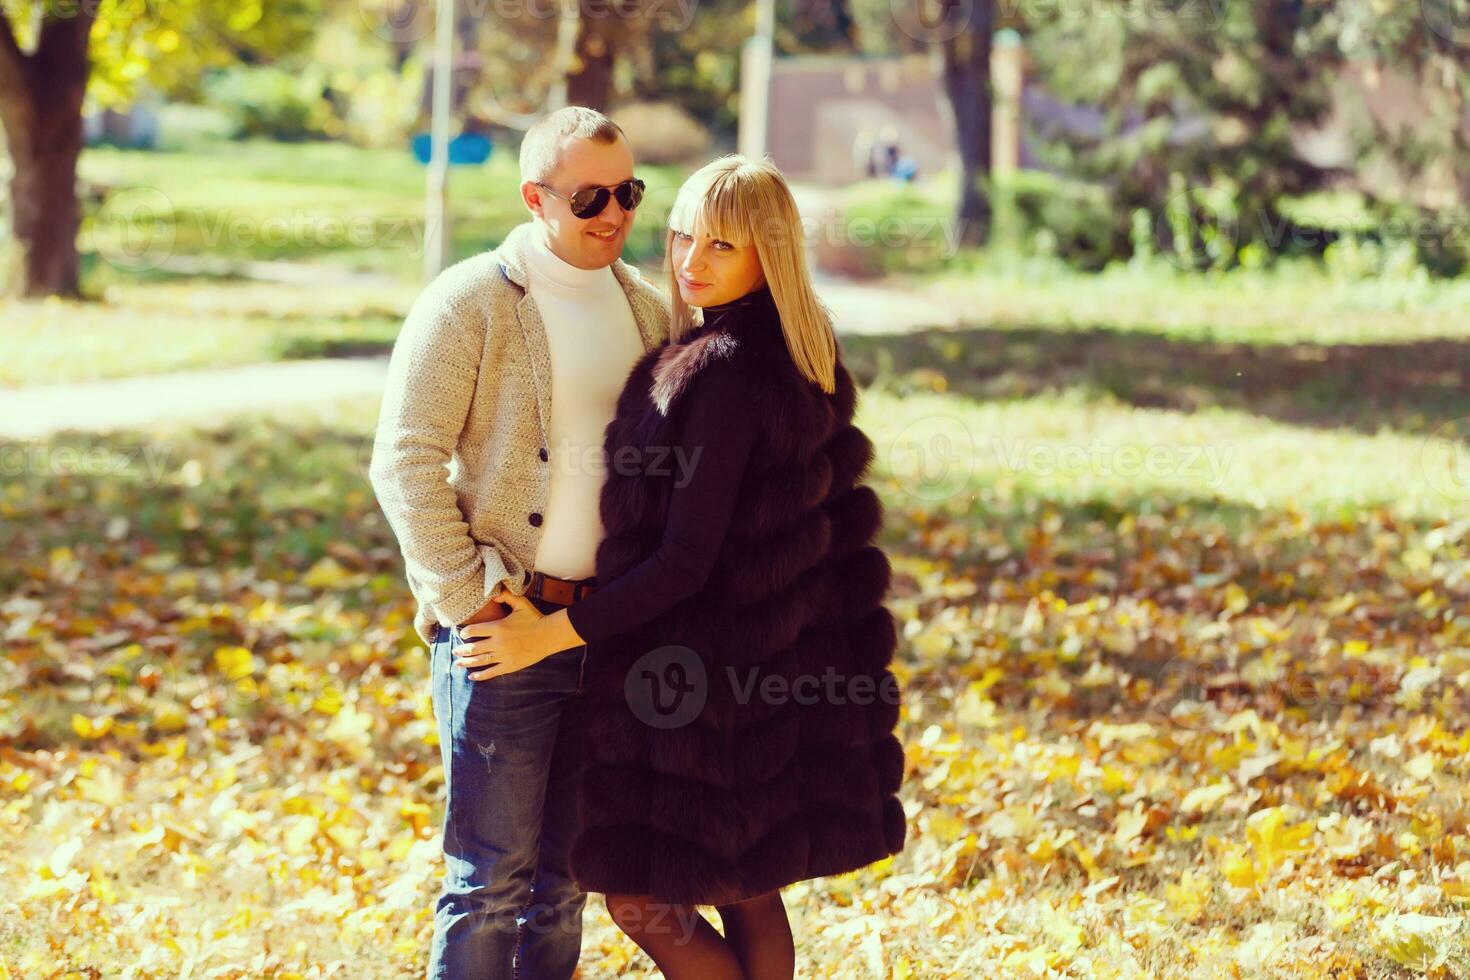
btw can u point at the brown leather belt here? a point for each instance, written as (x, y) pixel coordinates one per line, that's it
(563, 591)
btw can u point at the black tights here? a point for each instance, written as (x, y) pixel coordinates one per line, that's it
(757, 943)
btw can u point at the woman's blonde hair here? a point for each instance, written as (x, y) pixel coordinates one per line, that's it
(744, 201)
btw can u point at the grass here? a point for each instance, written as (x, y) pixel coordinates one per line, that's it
(1297, 302)
(1099, 456)
(1409, 387)
(1015, 286)
(166, 254)
(352, 210)
(257, 200)
(172, 324)
(1298, 339)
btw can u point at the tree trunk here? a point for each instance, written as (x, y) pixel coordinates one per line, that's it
(966, 77)
(46, 213)
(41, 96)
(599, 37)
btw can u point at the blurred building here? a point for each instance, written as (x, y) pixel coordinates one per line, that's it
(835, 119)
(833, 115)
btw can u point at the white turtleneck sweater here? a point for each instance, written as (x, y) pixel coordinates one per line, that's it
(594, 342)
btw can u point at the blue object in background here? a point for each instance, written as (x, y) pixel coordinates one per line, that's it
(466, 149)
(905, 170)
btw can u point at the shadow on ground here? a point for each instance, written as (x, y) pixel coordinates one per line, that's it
(1412, 387)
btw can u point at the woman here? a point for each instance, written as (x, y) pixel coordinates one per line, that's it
(738, 706)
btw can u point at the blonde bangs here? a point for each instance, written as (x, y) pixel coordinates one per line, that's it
(745, 202)
(716, 210)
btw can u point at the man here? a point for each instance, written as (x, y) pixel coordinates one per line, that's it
(506, 371)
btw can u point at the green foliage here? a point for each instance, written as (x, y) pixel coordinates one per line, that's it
(889, 227)
(170, 43)
(183, 127)
(272, 102)
(1059, 217)
(1036, 214)
(1200, 103)
(697, 66)
(1360, 236)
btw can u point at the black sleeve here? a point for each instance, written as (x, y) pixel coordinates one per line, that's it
(706, 467)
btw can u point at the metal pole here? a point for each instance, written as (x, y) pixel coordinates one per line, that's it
(436, 210)
(567, 29)
(755, 81)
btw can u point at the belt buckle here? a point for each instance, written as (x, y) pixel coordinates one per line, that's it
(538, 587)
(573, 591)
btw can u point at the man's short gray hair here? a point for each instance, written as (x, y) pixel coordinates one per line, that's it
(541, 146)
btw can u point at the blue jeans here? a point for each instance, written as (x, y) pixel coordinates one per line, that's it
(510, 746)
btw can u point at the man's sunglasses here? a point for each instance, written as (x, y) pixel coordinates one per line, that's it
(589, 201)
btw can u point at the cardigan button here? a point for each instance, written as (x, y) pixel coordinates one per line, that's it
(542, 453)
(535, 519)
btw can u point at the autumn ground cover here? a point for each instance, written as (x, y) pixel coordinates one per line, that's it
(1183, 659)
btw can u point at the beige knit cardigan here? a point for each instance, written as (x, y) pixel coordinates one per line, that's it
(469, 388)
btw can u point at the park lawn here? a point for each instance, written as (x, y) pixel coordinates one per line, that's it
(259, 200)
(1296, 303)
(174, 324)
(1355, 298)
(1183, 695)
(173, 216)
(169, 255)
(1323, 348)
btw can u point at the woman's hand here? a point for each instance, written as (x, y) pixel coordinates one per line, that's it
(513, 642)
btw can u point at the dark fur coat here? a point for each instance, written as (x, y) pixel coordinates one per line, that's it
(744, 740)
